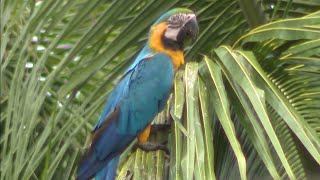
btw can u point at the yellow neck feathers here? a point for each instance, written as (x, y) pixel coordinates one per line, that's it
(156, 45)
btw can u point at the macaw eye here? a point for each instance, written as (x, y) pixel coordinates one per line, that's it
(177, 19)
(173, 19)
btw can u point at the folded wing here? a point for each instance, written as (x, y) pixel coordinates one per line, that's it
(139, 96)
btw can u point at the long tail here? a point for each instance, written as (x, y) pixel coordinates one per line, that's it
(109, 172)
(102, 170)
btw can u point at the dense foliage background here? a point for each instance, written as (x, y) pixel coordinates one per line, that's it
(245, 106)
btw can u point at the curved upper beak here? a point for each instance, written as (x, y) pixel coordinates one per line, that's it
(191, 27)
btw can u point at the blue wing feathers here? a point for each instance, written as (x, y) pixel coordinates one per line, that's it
(139, 96)
(109, 171)
(120, 91)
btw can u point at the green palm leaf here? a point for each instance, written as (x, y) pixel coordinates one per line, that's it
(243, 112)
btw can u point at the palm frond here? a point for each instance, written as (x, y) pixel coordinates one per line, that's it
(245, 111)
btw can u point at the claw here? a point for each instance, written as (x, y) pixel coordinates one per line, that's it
(153, 147)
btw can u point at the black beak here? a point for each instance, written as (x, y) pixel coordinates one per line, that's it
(191, 28)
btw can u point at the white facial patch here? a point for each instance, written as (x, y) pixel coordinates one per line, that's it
(175, 24)
(172, 33)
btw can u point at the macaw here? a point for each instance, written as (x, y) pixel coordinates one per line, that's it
(139, 96)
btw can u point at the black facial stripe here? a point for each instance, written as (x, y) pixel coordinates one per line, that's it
(178, 19)
(176, 23)
(171, 44)
(173, 26)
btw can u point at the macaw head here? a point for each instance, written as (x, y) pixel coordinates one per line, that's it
(173, 28)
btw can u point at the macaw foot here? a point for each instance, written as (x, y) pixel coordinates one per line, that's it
(149, 146)
(159, 127)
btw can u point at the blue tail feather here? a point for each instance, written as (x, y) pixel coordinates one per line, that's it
(102, 170)
(88, 168)
(109, 172)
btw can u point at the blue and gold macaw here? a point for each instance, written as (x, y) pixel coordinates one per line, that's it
(139, 96)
